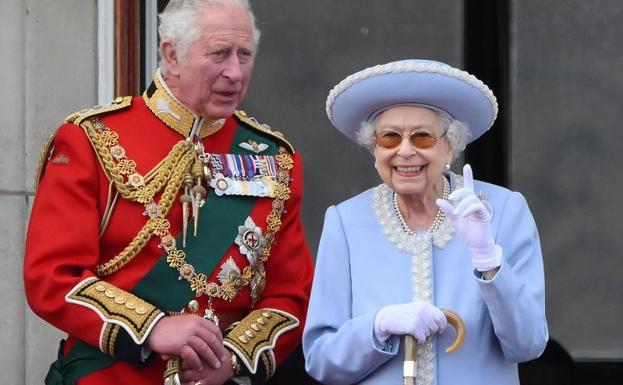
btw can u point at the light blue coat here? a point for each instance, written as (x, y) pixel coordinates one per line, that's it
(358, 271)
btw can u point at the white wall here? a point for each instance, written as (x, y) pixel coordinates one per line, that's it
(49, 70)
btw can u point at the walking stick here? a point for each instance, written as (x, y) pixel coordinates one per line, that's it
(410, 345)
(409, 369)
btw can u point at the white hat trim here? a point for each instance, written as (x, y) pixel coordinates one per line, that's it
(400, 67)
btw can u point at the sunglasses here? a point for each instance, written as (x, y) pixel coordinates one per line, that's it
(421, 139)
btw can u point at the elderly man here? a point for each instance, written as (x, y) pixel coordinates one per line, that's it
(177, 252)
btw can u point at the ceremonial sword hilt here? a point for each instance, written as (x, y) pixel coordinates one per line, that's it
(171, 374)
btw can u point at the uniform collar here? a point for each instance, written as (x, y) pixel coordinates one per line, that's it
(160, 100)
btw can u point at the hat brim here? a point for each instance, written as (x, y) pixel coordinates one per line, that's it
(362, 95)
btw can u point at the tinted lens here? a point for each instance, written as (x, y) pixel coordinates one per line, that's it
(388, 139)
(419, 139)
(423, 139)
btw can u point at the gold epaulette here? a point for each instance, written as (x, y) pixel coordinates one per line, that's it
(119, 103)
(255, 336)
(264, 128)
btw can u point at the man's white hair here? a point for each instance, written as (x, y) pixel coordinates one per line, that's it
(178, 23)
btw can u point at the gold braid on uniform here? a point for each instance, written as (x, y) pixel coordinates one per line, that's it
(168, 174)
(106, 144)
(255, 336)
(118, 308)
(109, 338)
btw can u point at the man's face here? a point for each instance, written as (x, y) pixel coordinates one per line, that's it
(214, 76)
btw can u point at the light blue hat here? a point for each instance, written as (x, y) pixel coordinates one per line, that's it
(435, 85)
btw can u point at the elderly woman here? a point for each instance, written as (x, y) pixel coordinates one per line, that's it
(425, 239)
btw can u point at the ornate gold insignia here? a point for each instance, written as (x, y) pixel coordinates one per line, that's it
(115, 306)
(256, 334)
(173, 113)
(252, 145)
(265, 128)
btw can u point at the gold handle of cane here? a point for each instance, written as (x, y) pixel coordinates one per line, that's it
(172, 372)
(410, 346)
(459, 327)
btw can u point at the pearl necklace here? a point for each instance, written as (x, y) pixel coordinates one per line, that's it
(439, 217)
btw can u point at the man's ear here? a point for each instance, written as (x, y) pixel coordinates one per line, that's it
(168, 53)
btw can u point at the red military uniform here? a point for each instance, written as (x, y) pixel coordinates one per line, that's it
(107, 253)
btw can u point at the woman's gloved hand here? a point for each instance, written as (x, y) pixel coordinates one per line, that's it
(418, 318)
(472, 221)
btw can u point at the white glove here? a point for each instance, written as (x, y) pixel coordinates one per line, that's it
(472, 221)
(418, 318)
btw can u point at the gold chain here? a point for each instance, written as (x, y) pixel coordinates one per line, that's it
(235, 282)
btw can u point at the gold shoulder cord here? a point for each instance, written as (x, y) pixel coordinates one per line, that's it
(169, 174)
(108, 149)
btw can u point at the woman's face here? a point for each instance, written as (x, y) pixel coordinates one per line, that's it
(406, 169)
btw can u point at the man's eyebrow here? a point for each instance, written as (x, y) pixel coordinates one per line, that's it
(218, 47)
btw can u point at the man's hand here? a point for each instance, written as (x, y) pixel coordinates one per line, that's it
(207, 375)
(196, 340)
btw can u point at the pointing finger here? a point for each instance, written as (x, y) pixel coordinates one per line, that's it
(468, 177)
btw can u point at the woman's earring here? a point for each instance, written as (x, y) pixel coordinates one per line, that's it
(448, 166)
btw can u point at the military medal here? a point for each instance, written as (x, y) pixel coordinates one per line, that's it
(251, 243)
(247, 175)
(250, 240)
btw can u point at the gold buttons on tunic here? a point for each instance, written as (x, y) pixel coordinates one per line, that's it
(141, 309)
(249, 333)
(193, 306)
(101, 287)
(120, 299)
